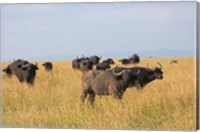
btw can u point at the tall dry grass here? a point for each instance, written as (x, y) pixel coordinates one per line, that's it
(54, 100)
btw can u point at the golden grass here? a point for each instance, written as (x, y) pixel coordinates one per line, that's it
(54, 100)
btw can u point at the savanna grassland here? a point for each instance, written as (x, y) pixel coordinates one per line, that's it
(54, 100)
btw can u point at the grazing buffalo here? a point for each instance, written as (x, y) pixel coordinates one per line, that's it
(48, 66)
(94, 59)
(125, 61)
(86, 65)
(109, 82)
(26, 73)
(103, 65)
(145, 76)
(174, 62)
(134, 59)
(109, 61)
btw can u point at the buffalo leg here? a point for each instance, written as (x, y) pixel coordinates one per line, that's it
(84, 95)
(91, 98)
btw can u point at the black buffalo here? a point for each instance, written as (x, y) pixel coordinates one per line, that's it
(109, 82)
(103, 65)
(23, 70)
(109, 61)
(134, 59)
(145, 76)
(76, 63)
(48, 66)
(94, 59)
(125, 61)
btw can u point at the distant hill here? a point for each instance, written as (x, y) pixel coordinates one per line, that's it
(153, 53)
(166, 53)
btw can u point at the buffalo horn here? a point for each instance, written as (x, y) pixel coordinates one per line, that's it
(159, 65)
(117, 74)
(26, 65)
(138, 71)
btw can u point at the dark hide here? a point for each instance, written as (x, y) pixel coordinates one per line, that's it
(48, 66)
(134, 59)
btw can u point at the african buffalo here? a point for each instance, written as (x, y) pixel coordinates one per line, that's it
(125, 61)
(94, 59)
(103, 66)
(145, 76)
(134, 59)
(109, 61)
(77, 62)
(109, 82)
(23, 70)
(48, 66)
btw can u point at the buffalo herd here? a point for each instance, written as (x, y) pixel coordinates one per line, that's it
(98, 77)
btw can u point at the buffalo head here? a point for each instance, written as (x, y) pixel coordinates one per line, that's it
(157, 71)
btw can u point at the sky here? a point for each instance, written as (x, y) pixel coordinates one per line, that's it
(64, 31)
